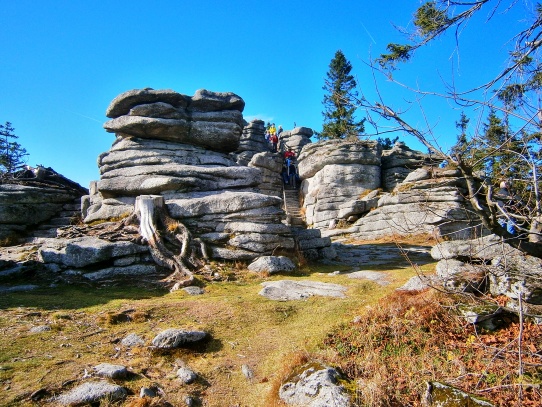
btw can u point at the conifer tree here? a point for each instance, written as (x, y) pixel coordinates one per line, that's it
(12, 154)
(340, 85)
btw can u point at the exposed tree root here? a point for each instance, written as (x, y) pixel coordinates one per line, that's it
(170, 241)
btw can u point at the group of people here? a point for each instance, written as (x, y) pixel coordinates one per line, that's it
(289, 165)
(290, 174)
(272, 136)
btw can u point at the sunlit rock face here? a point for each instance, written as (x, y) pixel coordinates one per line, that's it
(193, 151)
(353, 187)
(429, 201)
(399, 162)
(335, 172)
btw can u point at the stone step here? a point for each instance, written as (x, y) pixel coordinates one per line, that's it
(56, 222)
(44, 233)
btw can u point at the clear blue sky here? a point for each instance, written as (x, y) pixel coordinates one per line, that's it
(62, 62)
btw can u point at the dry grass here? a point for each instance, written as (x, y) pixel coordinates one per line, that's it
(422, 239)
(245, 329)
(411, 338)
(396, 342)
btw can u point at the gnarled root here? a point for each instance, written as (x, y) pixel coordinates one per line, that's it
(169, 240)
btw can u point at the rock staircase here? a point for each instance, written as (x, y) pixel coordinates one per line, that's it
(292, 207)
(65, 217)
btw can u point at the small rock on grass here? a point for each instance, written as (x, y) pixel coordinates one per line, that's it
(174, 338)
(111, 371)
(92, 392)
(186, 375)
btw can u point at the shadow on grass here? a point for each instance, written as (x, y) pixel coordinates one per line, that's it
(74, 297)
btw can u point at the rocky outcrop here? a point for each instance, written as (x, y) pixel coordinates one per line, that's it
(33, 198)
(295, 139)
(335, 172)
(100, 261)
(490, 265)
(208, 119)
(252, 142)
(399, 162)
(270, 166)
(189, 150)
(429, 201)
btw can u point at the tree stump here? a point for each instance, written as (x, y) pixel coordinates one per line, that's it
(169, 240)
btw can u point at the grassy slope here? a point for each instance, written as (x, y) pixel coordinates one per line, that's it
(246, 329)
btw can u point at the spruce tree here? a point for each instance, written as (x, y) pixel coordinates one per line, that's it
(339, 101)
(12, 154)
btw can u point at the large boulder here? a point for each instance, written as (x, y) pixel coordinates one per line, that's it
(432, 202)
(335, 172)
(399, 162)
(208, 119)
(316, 386)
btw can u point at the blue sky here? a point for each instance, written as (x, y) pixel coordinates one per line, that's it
(62, 62)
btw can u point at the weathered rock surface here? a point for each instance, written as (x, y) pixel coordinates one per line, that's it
(440, 395)
(399, 162)
(92, 392)
(132, 340)
(99, 260)
(489, 265)
(315, 386)
(272, 264)
(335, 172)
(209, 119)
(111, 371)
(186, 375)
(295, 139)
(433, 206)
(189, 151)
(284, 290)
(174, 338)
(25, 205)
(270, 166)
(376, 276)
(252, 142)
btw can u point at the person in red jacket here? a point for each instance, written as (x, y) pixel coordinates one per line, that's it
(289, 154)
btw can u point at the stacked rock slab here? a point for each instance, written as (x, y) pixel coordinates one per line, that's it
(27, 203)
(429, 201)
(179, 147)
(334, 172)
(252, 142)
(400, 161)
(270, 165)
(295, 139)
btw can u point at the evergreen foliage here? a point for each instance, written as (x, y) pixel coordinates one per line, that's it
(505, 145)
(339, 101)
(12, 154)
(387, 143)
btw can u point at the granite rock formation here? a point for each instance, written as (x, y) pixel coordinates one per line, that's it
(429, 201)
(252, 141)
(295, 139)
(212, 168)
(353, 187)
(34, 197)
(335, 172)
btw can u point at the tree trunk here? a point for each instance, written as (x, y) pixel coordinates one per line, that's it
(169, 240)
